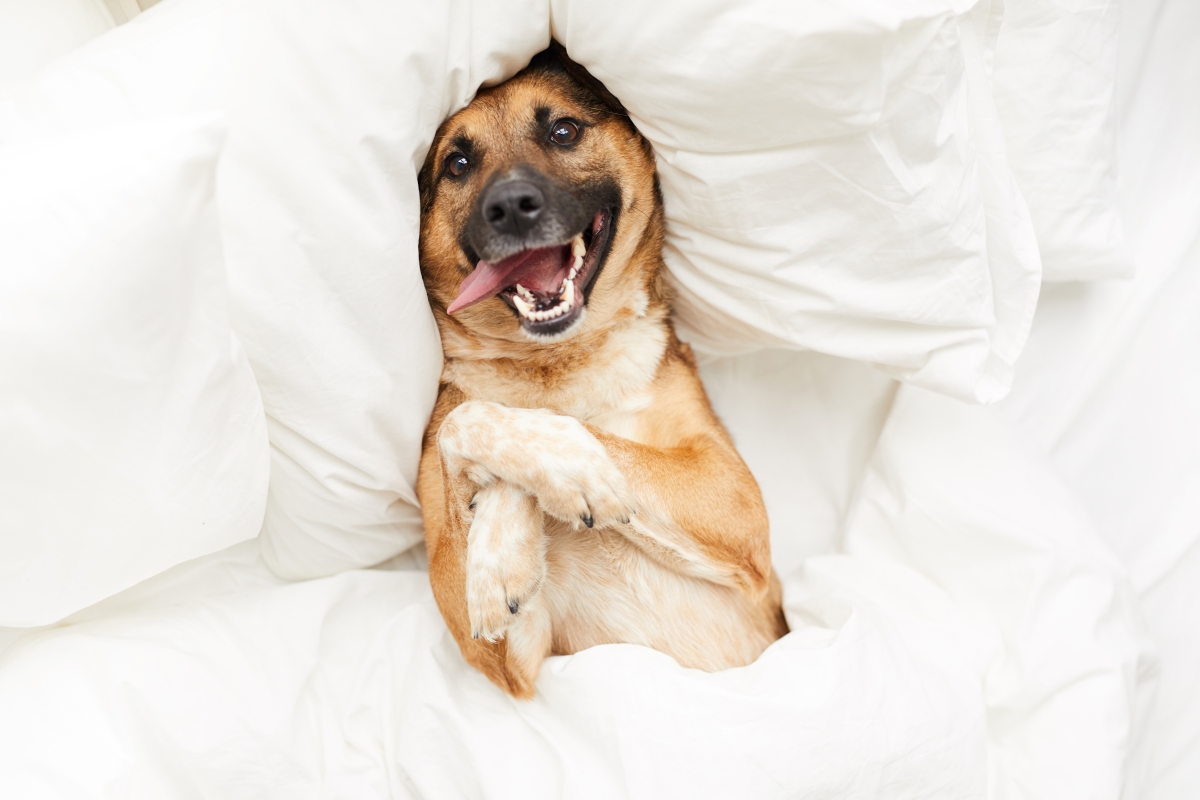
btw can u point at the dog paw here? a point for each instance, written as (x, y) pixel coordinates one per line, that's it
(551, 456)
(585, 488)
(506, 559)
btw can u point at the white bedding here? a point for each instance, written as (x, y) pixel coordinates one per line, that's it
(1109, 385)
(976, 641)
(351, 687)
(122, 376)
(961, 625)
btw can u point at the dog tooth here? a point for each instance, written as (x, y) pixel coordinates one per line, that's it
(578, 248)
(522, 306)
(568, 292)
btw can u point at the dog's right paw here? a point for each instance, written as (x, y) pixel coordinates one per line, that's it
(506, 559)
(551, 456)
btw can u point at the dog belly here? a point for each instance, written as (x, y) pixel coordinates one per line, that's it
(602, 589)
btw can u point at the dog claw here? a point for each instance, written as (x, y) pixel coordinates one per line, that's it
(513, 605)
(587, 520)
(471, 505)
(625, 520)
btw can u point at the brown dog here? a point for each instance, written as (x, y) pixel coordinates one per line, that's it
(577, 488)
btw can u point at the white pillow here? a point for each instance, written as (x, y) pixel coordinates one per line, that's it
(1054, 77)
(330, 108)
(834, 175)
(131, 430)
(334, 109)
(35, 32)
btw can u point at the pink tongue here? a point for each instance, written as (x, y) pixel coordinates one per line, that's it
(535, 269)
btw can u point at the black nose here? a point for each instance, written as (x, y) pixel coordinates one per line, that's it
(513, 207)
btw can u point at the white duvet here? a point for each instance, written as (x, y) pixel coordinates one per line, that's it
(960, 624)
(976, 641)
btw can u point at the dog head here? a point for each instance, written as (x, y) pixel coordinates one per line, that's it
(541, 218)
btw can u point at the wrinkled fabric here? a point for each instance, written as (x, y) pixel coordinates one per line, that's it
(352, 687)
(1054, 74)
(835, 179)
(1110, 385)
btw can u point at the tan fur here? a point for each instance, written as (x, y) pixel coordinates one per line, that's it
(527, 438)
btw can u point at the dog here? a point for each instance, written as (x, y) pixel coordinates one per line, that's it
(577, 488)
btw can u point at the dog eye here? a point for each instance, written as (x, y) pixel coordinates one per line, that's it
(457, 164)
(564, 132)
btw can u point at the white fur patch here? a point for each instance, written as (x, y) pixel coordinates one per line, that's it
(618, 372)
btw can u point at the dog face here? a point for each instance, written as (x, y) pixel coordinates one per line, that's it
(541, 216)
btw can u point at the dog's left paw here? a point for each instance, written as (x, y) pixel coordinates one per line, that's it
(506, 559)
(580, 484)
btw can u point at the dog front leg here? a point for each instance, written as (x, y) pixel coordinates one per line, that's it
(549, 456)
(506, 567)
(486, 567)
(579, 476)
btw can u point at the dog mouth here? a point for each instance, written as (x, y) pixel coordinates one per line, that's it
(547, 287)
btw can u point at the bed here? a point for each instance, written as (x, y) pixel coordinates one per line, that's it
(955, 345)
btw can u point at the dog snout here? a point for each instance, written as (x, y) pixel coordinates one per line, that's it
(519, 209)
(513, 207)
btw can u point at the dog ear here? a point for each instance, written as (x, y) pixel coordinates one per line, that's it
(580, 74)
